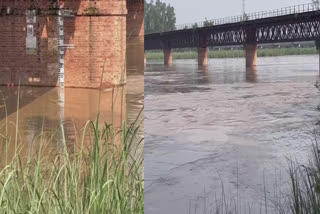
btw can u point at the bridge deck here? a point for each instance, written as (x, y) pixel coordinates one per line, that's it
(303, 26)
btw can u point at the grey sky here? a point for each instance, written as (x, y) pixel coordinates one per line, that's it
(190, 11)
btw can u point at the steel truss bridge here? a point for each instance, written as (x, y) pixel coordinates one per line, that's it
(296, 23)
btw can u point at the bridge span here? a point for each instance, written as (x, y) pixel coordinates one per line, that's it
(291, 24)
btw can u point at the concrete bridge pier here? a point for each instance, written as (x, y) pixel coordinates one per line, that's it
(167, 56)
(251, 54)
(202, 56)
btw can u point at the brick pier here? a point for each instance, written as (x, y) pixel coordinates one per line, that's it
(29, 44)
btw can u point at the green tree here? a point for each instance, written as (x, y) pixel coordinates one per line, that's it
(195, 25)
(244, 17)
(158, 17)
(207, 23)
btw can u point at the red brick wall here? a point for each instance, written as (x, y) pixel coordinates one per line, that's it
(99, 39)
(135, 23)
(135, 36)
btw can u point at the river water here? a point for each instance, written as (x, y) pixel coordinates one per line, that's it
(225, 132)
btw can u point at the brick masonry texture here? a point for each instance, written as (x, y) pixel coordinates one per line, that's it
(135, 36)
(98, 32)
(135, 18)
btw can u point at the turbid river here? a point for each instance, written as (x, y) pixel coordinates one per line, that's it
(224, 131)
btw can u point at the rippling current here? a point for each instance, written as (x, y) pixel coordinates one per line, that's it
(225, 130)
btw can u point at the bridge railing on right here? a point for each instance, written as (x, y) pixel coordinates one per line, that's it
(302, 8)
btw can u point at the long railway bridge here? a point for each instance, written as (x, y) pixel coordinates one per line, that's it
(290, 24)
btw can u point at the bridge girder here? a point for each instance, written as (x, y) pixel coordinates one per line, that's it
(288, 28)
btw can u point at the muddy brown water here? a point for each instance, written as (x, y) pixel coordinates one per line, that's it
(225, 129)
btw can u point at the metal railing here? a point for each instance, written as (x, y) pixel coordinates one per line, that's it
(302, 8)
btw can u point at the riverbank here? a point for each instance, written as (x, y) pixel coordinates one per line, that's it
(192, 54)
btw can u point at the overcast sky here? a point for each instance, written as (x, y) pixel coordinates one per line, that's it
(191, 11)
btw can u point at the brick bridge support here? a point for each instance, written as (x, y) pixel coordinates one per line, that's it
(202, 49)
(203, 56)
(167, 56)
(251, 51)
(251, 74)
(135, 18)
(251, 47)
(135, 35)
(29, 48)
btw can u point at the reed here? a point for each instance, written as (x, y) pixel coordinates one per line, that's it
(101, 175)
(304, 196)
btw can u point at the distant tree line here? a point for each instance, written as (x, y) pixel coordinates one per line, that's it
(158, 17)
(206, 23)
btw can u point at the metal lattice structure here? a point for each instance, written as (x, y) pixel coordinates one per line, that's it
(302, 31)
(286, 28)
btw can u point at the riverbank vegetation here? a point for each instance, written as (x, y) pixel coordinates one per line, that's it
(158, 16)
(103, 173)
(235, 53)
(305, 185)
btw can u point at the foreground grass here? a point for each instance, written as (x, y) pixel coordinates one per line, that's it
(305, 185)
(158, 55)
(102, 175)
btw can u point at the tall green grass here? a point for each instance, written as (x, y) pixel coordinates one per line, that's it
(236, 53)
(102, 175)
(304, 197)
